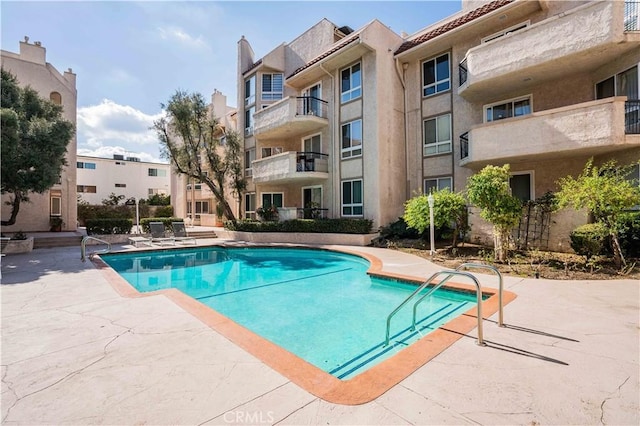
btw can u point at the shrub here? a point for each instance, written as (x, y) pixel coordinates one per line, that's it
(87, 211)
(109, 226)
(268, 213)
(589, 240)
(164, 211)
(629, 234)
(165, 220)
(338, 226)
(400, 230)
(19, 235)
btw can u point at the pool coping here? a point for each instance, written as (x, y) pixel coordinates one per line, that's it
(360, 389)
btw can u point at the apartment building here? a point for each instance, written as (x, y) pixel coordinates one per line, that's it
(31, 68)
(192, 200)
(322, 121)
(98, 178)
(539, 85)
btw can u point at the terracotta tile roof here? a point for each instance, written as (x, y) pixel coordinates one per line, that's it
(254, 65)
(467, 17)
(324, 55)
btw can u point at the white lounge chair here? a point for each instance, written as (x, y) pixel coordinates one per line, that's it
(157, 234)
(180, 233)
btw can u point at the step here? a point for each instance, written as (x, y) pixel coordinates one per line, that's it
(202, 234)
(62, 241)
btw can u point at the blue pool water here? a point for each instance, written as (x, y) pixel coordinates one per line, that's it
(319, 305)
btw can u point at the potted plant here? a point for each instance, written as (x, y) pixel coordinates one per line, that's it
(17, 243)
(55, 222)
(219, 215)
(267, 214)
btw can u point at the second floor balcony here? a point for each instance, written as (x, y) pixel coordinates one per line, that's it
(589, 128)
(290, 167)
(581, 39)
(291, 117)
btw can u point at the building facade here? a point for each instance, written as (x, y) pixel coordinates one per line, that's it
(31, 68)
(98, 178)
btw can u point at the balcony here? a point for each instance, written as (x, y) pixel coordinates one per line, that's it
(290, 117)
(581, 39)
(291, 167)
(589, 128)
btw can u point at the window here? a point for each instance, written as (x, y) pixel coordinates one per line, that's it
(352, 198)
(506, 31)
(521, 186)
(157, 172)
(250, 205)
(121, 185)
(250, 91)
(56, 98)
(437, 135)
(202, 207)
(507, 109)
(84, 165)
(272, 87)
(634, 175)
(121, 163)
(269, 151)
(351, 86)
(248, 121)
(437, 184)
(56, 206)
(352, 139)
(249, 157)
(312, 144)
(436, 75)
(90, 189)
(621, 84)
(272, 199)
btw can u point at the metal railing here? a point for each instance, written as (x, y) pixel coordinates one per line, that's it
(464, 145)
(450, 274)
(462, 71)
(310, 105)
(632, 117)
(500, 285)
(83, 248)
(312, 213)
(306, 162)
(632, 15)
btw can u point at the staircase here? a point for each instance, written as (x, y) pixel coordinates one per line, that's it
(202, 234)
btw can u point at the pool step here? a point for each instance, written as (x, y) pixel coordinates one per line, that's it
(202, 234)
(61, 241)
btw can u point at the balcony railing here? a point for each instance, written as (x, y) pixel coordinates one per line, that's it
(310, 105)
(291, 166)
(464, 145)
(632, 117)
(631, 15)
(312, 213)
(306, 162)
(462, 71)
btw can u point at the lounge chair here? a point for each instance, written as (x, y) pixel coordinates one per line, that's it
(157, 234)
(180, 233)
(139, 240)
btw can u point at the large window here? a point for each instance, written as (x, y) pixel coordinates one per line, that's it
(250, 205)
(272, 199)
(352, 139)
(249, 157)
(272, 87)
(507, 109)
(352, 198)
(90, 189)
(158, 172)
(351, 83)
(248, 121)
(436, 75)
(202, 207)
(250, 91)
(437, 184)
(437, 135)
(521, 186)
(621, 84)
(56, 206)
(85, 165)
(272, 150)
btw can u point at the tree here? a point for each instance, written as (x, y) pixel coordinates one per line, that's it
(113, 199)
(448, 208)
(190, 138)
(34, 143)
(606, 193)
(490, 191)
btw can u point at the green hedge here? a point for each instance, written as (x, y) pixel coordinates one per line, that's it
(108, 226)
(165, 220)
(629, 234)
(336, 226)
(589, 240)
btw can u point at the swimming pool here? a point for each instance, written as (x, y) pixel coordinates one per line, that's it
(320, 305)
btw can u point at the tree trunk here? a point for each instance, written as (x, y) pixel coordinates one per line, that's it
(618, 258)
(15, 208)
(500, 244)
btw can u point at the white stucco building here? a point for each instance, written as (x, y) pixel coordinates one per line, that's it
(120, 175)
(31, 68)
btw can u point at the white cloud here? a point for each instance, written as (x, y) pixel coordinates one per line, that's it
(181, 36)
(109, 128)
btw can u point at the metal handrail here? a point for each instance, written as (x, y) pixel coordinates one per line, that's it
(500, 286)
(83, 248)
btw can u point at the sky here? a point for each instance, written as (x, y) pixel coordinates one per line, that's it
(129, 57)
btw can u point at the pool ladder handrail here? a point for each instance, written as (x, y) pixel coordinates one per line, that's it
(500, 286)
(450, 274)
(83, 248)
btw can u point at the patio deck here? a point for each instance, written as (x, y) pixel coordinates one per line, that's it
(75, 352)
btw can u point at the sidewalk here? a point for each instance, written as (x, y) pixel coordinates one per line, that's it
(75, 352)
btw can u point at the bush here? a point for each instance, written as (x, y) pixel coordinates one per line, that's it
(399, 230)
(337, 226)
(589, 240)
(629, 234)
(87, 211)
(165, 220)
(164, 211)
(108, 226)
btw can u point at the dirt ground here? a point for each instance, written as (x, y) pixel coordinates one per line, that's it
(543, 264)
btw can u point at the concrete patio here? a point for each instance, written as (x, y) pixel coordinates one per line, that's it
(75, 352)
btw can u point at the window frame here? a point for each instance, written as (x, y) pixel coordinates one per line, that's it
(353, 92)
(531, 174)
(270, 151)
(249, 154)
(437, 144)
(58, 198)
(437, 82)
(512, 101)
(249, 214)
(352, 205)
(250, 97)
(437, 180)
(350, 152)
(272, 95)
(271, 194)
